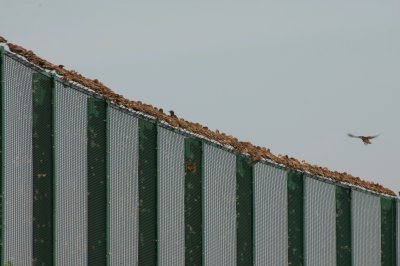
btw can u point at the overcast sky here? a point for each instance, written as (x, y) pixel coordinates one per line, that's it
(293, 76)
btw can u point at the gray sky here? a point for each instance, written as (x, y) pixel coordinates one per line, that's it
(293, 76)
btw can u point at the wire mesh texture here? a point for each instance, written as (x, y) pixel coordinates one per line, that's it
(18, 165)
(71, 176)
(270, 212)
(123, 188)
(366, 229)
(171, 191)
(220, 206)
(319, 222)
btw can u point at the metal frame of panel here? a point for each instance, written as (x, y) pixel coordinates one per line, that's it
(319, 222)
(171, 198)
(97, 181)
(270, 215)
(219, 206)
(148, 209)
(244, 211)
(17, 162)
(194, 229)
(343, 226)
(71, 176)
(123, 188)
(295, 210)
(43, 172)
(366, 229)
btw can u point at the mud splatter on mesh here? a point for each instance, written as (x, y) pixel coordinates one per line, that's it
(256, 153)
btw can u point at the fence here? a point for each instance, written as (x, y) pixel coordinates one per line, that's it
(86, 182)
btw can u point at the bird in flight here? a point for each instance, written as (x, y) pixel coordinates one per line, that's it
(365, 139)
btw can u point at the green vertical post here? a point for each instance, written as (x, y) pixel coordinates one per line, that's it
(295, 218)
(147, 193)
(108, 200)
(343, 226)
(244, 211)
(388, 232)
(43, 172)
(2, 86)
(53, 166)
(193, 202)
(97, 182)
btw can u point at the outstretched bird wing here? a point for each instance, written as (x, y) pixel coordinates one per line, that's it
(372, 137)
(352, 136)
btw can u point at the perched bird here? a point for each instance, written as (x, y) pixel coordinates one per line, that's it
(365, 139)
(172, 113)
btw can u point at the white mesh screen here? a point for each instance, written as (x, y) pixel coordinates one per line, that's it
(123, 188)
(270, 210)
(220, 206)
(71, 176)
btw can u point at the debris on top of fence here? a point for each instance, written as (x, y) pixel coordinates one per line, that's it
(255, 153)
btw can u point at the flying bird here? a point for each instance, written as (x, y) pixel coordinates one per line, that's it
(365, 139)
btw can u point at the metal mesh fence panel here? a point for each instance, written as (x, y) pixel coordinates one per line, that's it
(320, 222)
(147, 193)
(71, 176)
(42, 138)
(18, 163)
(295, 218)
(171, 243)
(270, 215)
(343, 226)
(193, 202)
(97, 183)
(366, 225)
(220, 206)
(244, 211)
(388, 232)
(123, 182)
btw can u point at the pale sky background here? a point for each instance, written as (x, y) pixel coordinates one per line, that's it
(293, 76)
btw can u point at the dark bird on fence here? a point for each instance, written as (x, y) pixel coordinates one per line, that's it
(365, 139)
(172, 113)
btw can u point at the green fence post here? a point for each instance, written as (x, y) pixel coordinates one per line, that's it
(244, 211)
(343, 226)
(295, 218)
(388, 232)
(193, 201)
(97, 182)
(43, 172)
(147, 193)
